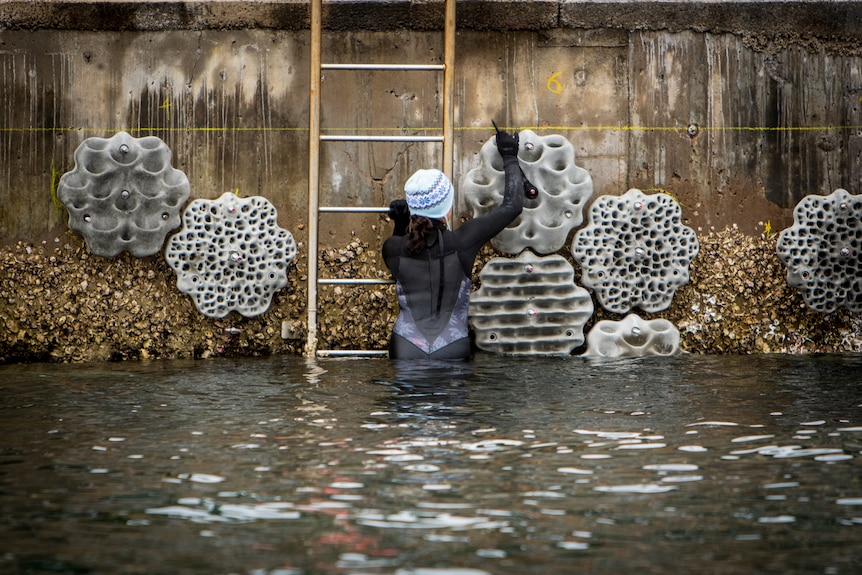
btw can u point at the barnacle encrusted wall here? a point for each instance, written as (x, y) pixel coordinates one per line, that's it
(564, 188)
(123, 194)
(632, 337)
(231, 255)
(529, 305)
(635, 252)
(822, 251)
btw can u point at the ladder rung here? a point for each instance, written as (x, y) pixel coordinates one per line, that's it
(352, 209)
(351, 352)
(400, 67)
(349, 138)
(356, 281)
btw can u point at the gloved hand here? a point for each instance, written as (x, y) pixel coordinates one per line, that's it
(399, 213)
(507, 144)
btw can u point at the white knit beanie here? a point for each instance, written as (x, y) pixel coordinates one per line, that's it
(429, 193)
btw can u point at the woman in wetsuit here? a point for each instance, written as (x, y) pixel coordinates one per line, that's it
(431, 264)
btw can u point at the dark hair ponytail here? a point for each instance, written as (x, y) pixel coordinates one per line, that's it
(417, 230)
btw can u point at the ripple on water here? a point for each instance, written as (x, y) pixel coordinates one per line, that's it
(777, 519)
(671, 467)
(441, 571)
(201, 477)
(208, 511)
(492, 444)
(747, 438)
(682, 478)
(640, 488)
(575, 471)
(422, 467)
(573, 545)
(410, 520)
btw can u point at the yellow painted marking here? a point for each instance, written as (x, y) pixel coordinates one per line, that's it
(432, 129)
(554, 84)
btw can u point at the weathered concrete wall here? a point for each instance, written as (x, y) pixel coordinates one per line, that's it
(774, 125)
(771, 91)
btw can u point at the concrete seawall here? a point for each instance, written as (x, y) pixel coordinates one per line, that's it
(772, 88)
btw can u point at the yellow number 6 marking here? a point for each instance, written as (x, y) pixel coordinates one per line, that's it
(554, 85)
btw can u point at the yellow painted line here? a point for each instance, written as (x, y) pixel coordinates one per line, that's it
(436, 129)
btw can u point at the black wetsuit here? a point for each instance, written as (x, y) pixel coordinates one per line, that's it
(434, 285)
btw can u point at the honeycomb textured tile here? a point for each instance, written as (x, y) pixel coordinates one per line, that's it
(231, 255)
(635, 252)
(564, 188)
(822, 251)
(529, 305)
(123, 194)
(632, 337)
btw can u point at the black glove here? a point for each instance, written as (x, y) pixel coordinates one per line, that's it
(507, 144)
(399, 213)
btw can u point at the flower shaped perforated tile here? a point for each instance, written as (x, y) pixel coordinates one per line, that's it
(635, 252)
(822, 251)
(231, 255)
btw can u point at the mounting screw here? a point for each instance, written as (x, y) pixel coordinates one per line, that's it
(693, 130)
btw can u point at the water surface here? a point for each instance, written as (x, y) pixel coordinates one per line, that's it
(283, 466)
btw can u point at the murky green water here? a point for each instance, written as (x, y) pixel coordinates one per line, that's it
(499, 466)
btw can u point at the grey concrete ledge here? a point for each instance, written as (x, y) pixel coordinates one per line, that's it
(827, 19)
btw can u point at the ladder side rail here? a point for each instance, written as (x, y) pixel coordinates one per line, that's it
(315, 10)
(448, 90)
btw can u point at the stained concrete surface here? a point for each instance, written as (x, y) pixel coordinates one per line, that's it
(737, 109)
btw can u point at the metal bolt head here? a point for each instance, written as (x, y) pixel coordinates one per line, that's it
(693, 130)
(636, 330)
(529, 268)
(638, 206)
(124, 148)
(529, 146)
(845, 252)
(87, 217)
(125, 194)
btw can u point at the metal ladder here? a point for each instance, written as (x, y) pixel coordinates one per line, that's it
(315, 138)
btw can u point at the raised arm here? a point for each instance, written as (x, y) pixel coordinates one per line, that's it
(474, 233)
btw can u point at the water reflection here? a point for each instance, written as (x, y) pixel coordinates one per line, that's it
(497, 466)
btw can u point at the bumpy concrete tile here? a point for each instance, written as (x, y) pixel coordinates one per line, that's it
(564, 188)
(632, 337)
(123, 194)
(529, 305)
